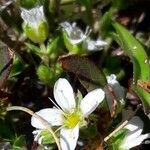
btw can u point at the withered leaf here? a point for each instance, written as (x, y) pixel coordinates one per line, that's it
(89, 74)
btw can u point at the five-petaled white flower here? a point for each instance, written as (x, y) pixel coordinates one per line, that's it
(33, 17)
(133, 136)
(74, 33)
(76, 36)
(70, 114)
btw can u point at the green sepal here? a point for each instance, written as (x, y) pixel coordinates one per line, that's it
(47, 137)
(74, 49)
(55, 45)
(46, 75)
(36, 34)
(117, 139)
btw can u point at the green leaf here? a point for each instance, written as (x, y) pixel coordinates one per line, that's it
(106, 23)
(55, 45)
(33, 48)
(17, 67)
(141, 69)
(19, 142)
(5, 64)
(86, 70)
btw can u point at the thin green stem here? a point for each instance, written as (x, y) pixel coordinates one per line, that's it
(43, 121)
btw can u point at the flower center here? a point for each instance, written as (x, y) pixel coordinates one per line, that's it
(71, 120)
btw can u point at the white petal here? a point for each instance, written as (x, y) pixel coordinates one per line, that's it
(36, 134)
(74, 33)
(112, 79)
(91, 101)
(66, 27)
(77, 41)
(33, 16)
(100, 43)
(69, 137)
(94, 45)
(134, 142)
(52, 115)
(135, 124)
(64, 95)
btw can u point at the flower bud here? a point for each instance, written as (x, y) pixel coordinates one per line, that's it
(35, 25)
(45, 74)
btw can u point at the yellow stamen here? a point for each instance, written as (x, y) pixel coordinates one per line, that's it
(71, 120)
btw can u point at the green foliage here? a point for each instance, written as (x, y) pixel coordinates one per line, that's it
(55, 45)
(17, 67)
(19, 142)
(117, 139)
(45, 43)
(141, 69)
(105, 23)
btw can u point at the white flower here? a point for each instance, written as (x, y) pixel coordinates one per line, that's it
(34, 16)
(117, 88)
(118, 94)
(76, 36)
(74, 33)
(94, 45)
(69, 114)
(133, 136)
